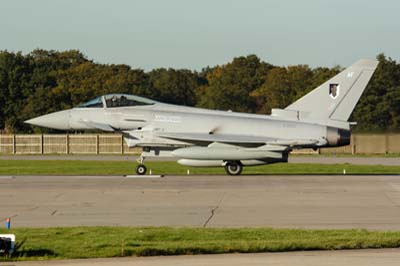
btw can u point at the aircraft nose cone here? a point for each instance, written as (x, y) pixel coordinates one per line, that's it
(57, 120)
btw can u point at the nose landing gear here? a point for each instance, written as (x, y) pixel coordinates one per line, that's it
(141, 168)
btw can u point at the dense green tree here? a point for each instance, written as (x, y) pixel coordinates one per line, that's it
(282, 86)
(21, 76)
(378, 108)
(15, 73)
(229, 86)
(175, 86)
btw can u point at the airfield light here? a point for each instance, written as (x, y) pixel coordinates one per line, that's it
(8, 223)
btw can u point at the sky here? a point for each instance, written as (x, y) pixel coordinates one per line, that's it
(192, 34)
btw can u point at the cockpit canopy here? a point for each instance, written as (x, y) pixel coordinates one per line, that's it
(122, 100)
(116, 100)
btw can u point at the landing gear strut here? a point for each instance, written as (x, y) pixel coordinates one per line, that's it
(141, 168)
(233, 168)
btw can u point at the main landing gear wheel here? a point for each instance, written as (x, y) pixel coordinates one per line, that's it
(233, 168)
(141, 169)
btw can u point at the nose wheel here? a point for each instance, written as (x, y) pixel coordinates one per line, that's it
(233, 168)
(141, 169)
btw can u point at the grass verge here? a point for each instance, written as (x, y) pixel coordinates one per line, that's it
(58, 167)
(96, 242)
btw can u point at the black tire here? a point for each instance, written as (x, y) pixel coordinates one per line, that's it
(141, 169)
(233, 168)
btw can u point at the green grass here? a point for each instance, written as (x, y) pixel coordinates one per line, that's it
(95, 242)
(59, 167)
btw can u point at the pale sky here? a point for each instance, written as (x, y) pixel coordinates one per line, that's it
(194, 34)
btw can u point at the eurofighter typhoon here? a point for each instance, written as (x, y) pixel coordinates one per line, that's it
(201, 137)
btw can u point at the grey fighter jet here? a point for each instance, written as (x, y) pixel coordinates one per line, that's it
(201, 137)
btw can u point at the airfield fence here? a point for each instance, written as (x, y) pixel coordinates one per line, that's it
(114, 144)
(65, 144)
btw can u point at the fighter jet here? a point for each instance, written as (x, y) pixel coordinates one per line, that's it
(210, 138)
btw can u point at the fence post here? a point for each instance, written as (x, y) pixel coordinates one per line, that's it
(67, 144)
(41, 144)
(14, 144)
(386, 143)
(122, 144)
(97, 143)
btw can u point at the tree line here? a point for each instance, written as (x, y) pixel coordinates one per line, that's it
(46, 81)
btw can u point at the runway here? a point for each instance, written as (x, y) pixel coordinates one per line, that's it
(383, 257)
(371, 202)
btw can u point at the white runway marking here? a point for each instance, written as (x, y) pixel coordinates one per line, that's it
(144, 176)
(6, 177)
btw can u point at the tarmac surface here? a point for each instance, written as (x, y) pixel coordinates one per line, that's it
(382, 257)
(371, 202)
(292, 159)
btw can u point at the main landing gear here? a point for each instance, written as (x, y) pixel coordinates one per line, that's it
(233, 167)
(141, 168)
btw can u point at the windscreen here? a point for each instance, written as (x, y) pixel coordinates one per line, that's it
(95, 103)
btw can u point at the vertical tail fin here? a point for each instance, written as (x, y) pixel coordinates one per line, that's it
(336, 98)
